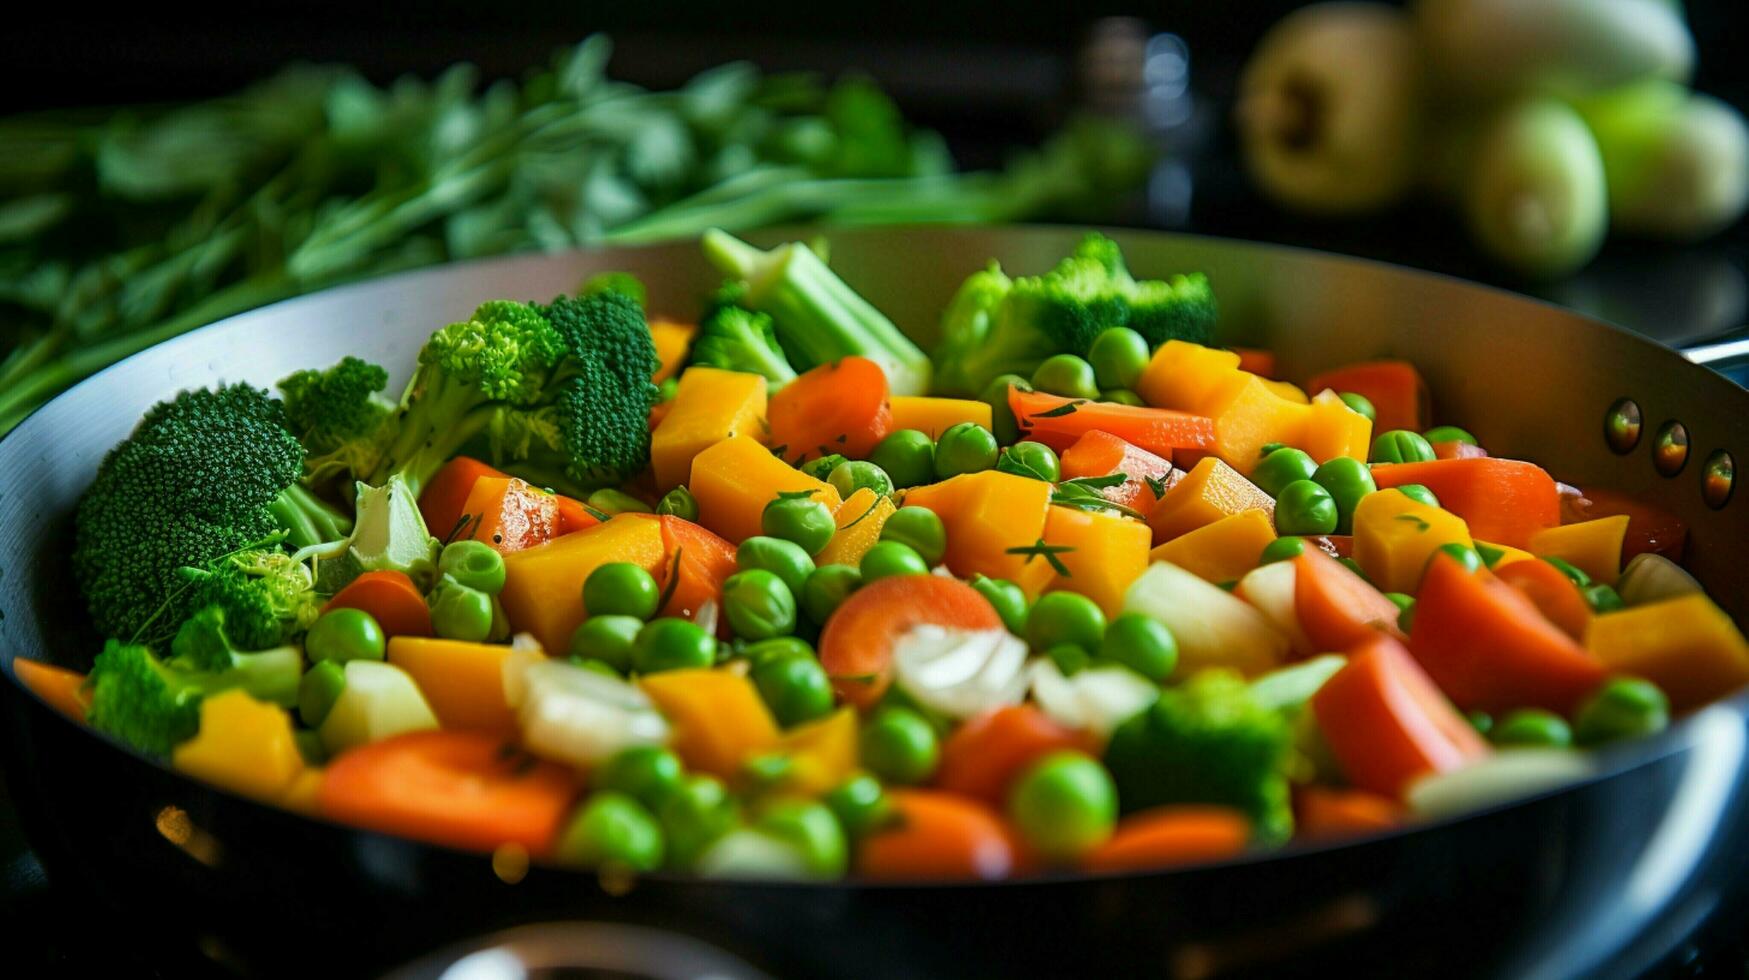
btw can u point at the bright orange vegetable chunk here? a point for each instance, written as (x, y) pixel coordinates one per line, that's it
(984, 755)
(987, 514)
(1107, 553)
(392, 600)
(1687, 646)
(1099, 453)
(1324, 812)
(1223, 551)
(839, 407)
(442, 500)
(710, 406)
(672, 340)
(719, 719)
(933, 416)
(1504, 500)
(734, 479)
(1395, 388)
(62, 689)
(1552, 592)
(1210, 491)
(1057, 422)
(509, 515)
(462, 682)
(1336, 607)
(1169, 835)
(543, 586)
(860, 520)
(937, 836)
(695, 563)
(856, 647)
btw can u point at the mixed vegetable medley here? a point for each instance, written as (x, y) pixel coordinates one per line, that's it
(774, 593)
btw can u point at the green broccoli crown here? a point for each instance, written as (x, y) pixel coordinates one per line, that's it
(1104, 251)
(140, 700)
(265, 595)
(203, 652)
(505, 352)
(1207, 741)
(1069, 305)
(737, 339)
(616, 282)
(1179, 308)
(329, 408)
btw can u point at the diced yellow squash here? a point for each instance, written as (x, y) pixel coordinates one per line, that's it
(463, 682)
(822, 752)
(1250, 417)
(860, 520)
(718, 717)
(1333, 429)
(672, 340)
(734, 479)
(1288, 391)
(1223, 551)
(1593, 547)
(543, 585)
(1395, 535)
(710, 405)
(1687, 646)
(1508, 554)
(933, 416)
(244, 745)
(1210, 491)
(1108, 552)
(986, 514)
(1186, 376)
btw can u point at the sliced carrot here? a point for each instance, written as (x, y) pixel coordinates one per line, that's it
(856, 647)
(986, 753)
(458, 788)
(937, 835)
(839, 407)
(1168, 835)
(1099, 453)
(1386, 722)
(1257, 361)
(443, 498)
(392, 600)
(509, 515)
(1337, 608)
(1323, 812)
(574, 515)
(695, 564)
(1395, 388)
(1502, 500)
(1553, 594)
(1488, 647)
(1057, 422)
(62, 689)
(1650, 529)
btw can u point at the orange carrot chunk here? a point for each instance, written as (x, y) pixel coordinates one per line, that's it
(839, 407)
(1099, 453)
(1553, 594)
(62, 689)
(695, 564)
(1324, 812)
(392, 600)
(1337, 608)
(937, 835)
(1502, 500)
(443, 498)
(509, 515)
(1650, 529)
(1395, 388)
(1168, 835)
(857, 646)
(984, 755)
(574, 515)
(1057, 422)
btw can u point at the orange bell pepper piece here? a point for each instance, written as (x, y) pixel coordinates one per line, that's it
(1398, 395)
(1503, 500)
(1210, 491)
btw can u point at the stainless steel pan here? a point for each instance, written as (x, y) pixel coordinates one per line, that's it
(1598, 878)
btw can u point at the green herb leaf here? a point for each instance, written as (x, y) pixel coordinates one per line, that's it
(1060, 411)
(1048, 552)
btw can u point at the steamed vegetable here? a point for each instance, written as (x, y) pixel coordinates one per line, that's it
(1535, 196)
(1677, 164)
(1490, 48)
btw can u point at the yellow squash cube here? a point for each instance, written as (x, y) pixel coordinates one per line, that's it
(986, 515)
(1223, 551)
(1687, 646)
(1210, 491)
(709, 406)
(1108, 553)
(1333, 429)
(244, 745)
(1187, 377)
(1593, 547)
(860, 520)
(822, 752)
(1395, 535)
(734, 479)
(543, 585)
(718, 717)
(933, 416)
(463, 682)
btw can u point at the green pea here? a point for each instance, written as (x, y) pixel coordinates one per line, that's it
(1401, 446)
(620, 588)
(1033, 460)
(1064, 805)
(1465, 555)
(785, 559)
(995, 395)
(1401, 600)
(1481, 721)
(609, 639)
(1270, 447)
(1348, 480)
(1282, 467)
(889, 558)
(672, 644)
(966, 447)
(776, 648)
(1602, 598)
(907, 457)
(849, 477)
(679, 502)
(666, 391)
(319, 689)
(1142, 644)
(861, 805)
(1007, 599)
(1118, 356)
(796, 689)
(1532, 726)
(612, 830)
(345, 634)
(1570, 570)
(899, 745)
(611, 502)
(1624, 707)
(804, 520)
(765, 772)
(920, 528)
(813, 831)
(1418, 492)
(1066, 375)
(474, 564)
(1449, 433)
(1122, 396)
(827, 588)
(1065, 617)
(460, 613)
(649, 774)
(821, 468)
(758, 605)
(1303, 507)
(694, 816)
(1070, 658)
(1282, 549)
(600, 667)
(1360, 404)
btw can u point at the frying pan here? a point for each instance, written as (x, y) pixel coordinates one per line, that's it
(1601, 877)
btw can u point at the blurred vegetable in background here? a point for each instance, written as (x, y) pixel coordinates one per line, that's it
(120, 230)
(1545, 123)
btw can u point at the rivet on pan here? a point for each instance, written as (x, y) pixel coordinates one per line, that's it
(1621, 426)
(1718, 478)
(1670, 448)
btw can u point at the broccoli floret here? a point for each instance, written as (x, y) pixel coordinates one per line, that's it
(204, 475)
(340, 416)
(615, 282)
(267, 596)
(203, 648)
(138, 699)
(965, 325)
(1207, 741)
(736, 339)
(817, 317)
(1179, 308)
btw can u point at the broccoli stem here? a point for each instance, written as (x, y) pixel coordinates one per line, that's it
(430, 434)
(817, 316)
(306, 518)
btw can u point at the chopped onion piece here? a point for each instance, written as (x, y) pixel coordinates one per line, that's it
(1097, 699)
(580, 716)
(1650, 578)
(960, 673)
